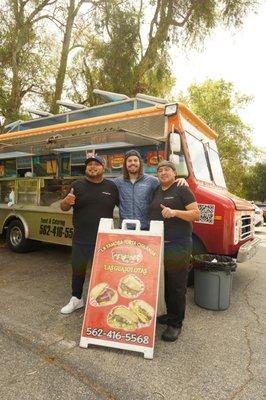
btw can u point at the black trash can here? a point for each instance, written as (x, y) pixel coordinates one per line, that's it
(213, 281)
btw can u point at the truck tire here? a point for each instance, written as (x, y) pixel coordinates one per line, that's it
(15, 237)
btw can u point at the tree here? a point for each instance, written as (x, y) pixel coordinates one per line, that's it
(127, 46)
(67, 27)
(130, 53)
(20, 58)
(255, 182)
(217, 103)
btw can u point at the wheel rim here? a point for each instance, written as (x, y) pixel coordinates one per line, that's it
(15, 236)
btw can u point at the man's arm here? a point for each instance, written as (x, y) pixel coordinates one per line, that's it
(68, 201)
(190, 214)
(179, 182)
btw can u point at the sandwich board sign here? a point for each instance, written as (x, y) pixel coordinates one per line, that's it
(122, 296)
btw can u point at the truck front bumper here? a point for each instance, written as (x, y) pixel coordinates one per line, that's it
(248, 250)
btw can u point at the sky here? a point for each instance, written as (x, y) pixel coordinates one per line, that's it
(237, 57)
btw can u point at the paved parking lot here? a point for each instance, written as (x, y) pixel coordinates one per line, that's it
(219, 355)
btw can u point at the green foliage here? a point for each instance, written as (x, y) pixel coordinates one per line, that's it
(115, 45)
(217, 103)
(159, 80)
(255, 182)
(110, 61)
(193, 21)
(131, 51)
(23, 54)
(118, 55)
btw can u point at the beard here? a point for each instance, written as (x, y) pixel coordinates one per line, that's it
(94, 175)
(134, 169)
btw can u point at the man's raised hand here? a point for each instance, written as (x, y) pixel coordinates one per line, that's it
(70, 199)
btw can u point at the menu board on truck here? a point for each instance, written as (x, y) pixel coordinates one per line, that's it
(123, 290)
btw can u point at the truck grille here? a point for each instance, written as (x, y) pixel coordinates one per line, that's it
(245, 226)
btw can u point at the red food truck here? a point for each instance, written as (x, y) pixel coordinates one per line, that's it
(39, 159)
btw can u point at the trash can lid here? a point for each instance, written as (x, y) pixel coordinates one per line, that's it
(214, 262)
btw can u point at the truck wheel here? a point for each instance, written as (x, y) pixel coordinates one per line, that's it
(15, 237)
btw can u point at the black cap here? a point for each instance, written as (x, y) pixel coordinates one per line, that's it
(132, 153)
(96, 158)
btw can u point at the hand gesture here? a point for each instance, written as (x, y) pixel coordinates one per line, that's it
(167, 212)
(70, 199)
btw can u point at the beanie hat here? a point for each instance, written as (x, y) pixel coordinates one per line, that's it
(132, 153)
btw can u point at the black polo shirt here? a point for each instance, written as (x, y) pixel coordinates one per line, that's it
(93, 202)
(177, 198)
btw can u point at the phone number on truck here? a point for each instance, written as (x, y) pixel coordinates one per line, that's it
(59, 231)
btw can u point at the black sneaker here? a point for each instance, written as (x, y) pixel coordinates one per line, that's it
(171, 334)
(162, 319)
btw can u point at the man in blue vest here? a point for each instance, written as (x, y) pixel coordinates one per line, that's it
(136, 189)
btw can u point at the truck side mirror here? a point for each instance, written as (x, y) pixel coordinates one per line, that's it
(180, 164)
(175, 143)
(2, 120)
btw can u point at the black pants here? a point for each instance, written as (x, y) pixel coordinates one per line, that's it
(176, 263)
(81, 259)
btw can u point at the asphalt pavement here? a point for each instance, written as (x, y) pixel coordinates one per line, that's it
(219, 355)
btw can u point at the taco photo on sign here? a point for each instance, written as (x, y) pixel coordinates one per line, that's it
(130, 286)
(103, 295)
(143, 310)
(122, 317)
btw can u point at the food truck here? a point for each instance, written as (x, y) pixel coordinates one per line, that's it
(41, 157)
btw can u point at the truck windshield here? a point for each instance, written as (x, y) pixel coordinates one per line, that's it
(204, 155)
(198, 158)
(216, 167)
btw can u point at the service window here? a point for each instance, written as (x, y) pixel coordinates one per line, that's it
(2, 168)
(65, 166)
(44, 165)
(114, 158)
(10, 168)
(53, 191)
(24, 166)
(77, 159)
(151, 155)
(5, 189)
(28, 191)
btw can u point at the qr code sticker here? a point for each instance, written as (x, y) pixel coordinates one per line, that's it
(206, 213)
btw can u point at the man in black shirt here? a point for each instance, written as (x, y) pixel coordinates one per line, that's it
(177, 207)
(92, 198)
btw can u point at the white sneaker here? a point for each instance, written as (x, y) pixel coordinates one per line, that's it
(74, 304)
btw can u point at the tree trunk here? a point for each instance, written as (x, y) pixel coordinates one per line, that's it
(20, 32)
(22, 27)
(61, 73)
(162, 19)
